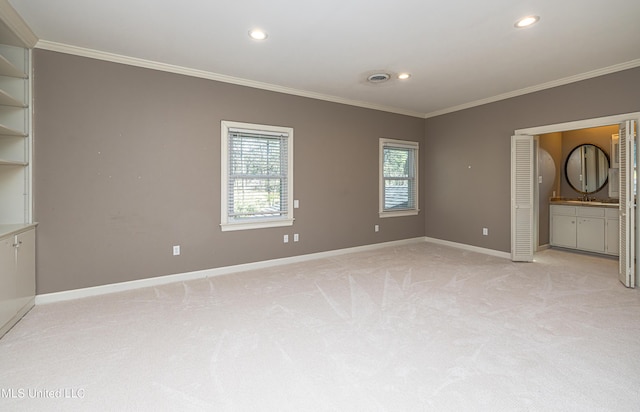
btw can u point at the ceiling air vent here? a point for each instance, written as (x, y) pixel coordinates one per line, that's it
(378, 78)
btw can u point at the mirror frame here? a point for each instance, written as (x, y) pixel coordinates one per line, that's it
(566, 164)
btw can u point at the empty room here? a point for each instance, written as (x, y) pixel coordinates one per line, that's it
(319, 206)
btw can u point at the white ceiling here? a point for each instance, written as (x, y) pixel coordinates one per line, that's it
(459, 52)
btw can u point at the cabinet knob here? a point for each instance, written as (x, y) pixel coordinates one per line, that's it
(17, 244)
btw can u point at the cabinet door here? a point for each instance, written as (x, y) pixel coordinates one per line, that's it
(613, 237)
(591, 234)
(7, 280)
(563, 231)
(26, 267)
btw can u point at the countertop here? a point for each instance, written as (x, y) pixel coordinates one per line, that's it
(13, 229)
(587, 203)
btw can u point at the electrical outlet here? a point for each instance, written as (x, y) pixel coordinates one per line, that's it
(296, 204)
(296, 237)
(376, 228)
(286, 239)
(176, 250)
(485, 231)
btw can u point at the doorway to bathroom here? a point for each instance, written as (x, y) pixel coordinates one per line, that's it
(525, 195)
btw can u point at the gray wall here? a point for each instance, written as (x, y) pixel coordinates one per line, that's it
(461, 200)
(127, 164)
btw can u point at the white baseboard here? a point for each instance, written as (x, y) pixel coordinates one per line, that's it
(11, 323)
(200, 274)
(470, 248)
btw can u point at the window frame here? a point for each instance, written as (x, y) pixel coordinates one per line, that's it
(227, 223)
(400, 144)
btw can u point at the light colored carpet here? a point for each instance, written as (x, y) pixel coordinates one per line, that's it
(420, 327)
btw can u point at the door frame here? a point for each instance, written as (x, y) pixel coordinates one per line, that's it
(574, 125)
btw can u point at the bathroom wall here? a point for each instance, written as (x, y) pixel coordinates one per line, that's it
(599, 136)
(549, 161)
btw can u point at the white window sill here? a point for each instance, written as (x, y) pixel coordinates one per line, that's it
(228, 227)
(412, 212)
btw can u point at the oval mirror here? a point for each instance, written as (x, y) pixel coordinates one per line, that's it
(587, 168)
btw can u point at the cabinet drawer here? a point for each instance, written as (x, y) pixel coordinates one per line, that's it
(563, 210)
(612, 212)
(590, 211)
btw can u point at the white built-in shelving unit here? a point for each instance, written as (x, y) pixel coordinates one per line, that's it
(15, 136)
(17, 229)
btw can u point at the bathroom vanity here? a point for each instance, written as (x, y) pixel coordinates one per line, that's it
(590, 226)
(585, 223)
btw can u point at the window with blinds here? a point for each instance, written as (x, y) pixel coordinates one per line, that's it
(257, 176)
(398, 178)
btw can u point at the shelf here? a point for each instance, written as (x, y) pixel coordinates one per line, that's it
(7, 131)
(8, 69)
(15, 138)
(7, 100)
(8, 229)
(12, 163)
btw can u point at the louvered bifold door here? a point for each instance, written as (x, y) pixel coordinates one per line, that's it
(522, 198)
(626, 145)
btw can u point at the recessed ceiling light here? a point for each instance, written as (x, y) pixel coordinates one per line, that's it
(404, 76)
(257, 34)
(526, 21)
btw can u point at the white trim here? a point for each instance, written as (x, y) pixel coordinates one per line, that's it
(403, 144)
(12, 322)
(17, 25)
(579, 124)
(203, 74)
(470, 248)
(149, 64)
(227, 270)
(276, 222)
(202, 274)
(225, 224)
(30, 143)
(555, 83)
(399, 213)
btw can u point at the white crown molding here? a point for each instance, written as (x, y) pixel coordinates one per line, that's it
(560, 82)
(17, 25)
(149, 64)
(165, 67)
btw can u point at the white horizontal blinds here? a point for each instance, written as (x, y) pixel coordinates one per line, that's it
(257, 181)
(399, 175)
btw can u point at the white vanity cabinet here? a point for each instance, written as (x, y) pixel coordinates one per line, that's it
(17, 273)
(590, 234)
(588, 228)
(612, 231)
(563, 226)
